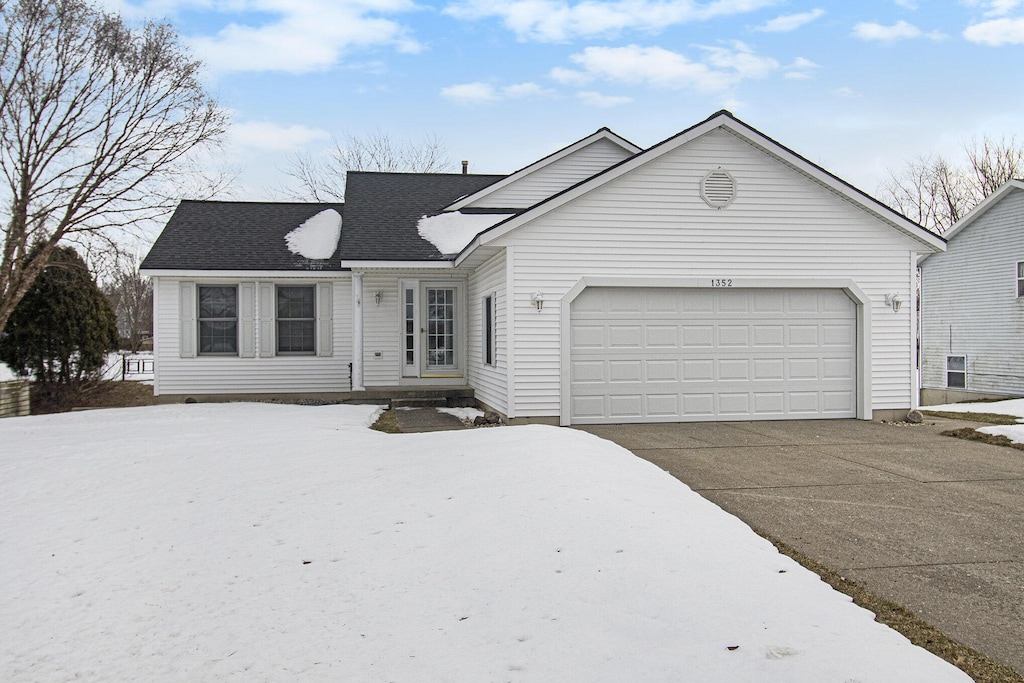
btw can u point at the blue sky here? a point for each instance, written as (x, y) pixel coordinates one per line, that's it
(859, 87)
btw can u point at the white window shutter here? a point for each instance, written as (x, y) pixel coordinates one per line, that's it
(324, 319)
(247, 315)
(267, 308)
(187, 319)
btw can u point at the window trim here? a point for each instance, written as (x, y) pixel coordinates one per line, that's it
(200, 320)
(956, 372)
(277, 320)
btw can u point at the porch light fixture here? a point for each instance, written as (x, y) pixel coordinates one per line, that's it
(538, 300)
(894, 301)
(377, 296)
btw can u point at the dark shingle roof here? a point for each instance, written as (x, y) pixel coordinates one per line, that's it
(235, 236)
(382, 210)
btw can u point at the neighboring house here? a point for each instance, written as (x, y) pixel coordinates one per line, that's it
(972, 305)
(714, 276)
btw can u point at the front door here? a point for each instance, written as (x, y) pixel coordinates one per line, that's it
(440, 353)
(433, 329)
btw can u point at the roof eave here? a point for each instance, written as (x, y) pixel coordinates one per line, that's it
(983, 206)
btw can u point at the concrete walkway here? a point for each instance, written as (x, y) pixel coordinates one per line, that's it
(416, 420)
(931, 522)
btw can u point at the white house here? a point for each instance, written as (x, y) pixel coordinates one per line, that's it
(972, 305)
(717, 275)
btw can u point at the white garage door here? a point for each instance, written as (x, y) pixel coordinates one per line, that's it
(669, 355)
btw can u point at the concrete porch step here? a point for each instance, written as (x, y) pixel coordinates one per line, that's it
(420, 402)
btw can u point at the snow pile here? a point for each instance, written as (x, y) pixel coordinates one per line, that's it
(317, 237)
(450, 232)
(6, 374)
(467, 415)
(270, 542)
(1013, 407)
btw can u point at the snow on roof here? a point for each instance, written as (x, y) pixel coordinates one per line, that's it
(450, 232)
(317, 237)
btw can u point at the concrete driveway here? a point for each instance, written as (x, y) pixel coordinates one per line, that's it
(931, 522)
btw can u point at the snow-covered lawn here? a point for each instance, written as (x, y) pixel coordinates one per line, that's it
(1013, 407)
(271, 542)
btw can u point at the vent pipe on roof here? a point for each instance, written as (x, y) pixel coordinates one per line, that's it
(465, 167)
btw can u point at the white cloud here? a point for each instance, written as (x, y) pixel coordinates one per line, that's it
(901, 30)
(907, 4)
(477, 93)
(790, 22)
(263, 135)
(299, 36)
(596, 99)
(996, 32)
(1000, 8)
(657, 67)
(801, 69)
(560, 20)
(845, 92)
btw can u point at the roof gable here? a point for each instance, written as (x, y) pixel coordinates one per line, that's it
(983, 207)
(555, 172)
(720, 120)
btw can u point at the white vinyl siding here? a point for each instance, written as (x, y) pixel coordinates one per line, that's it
(969, 302)
(555, 177)
(652, 222)
(489, 382)
(382, 330)
(242, 375)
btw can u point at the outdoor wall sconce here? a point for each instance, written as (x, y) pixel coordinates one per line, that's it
(894, 301)
(377, 296)
(538, 300)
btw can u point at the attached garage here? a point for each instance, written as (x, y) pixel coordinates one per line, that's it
(670, 354)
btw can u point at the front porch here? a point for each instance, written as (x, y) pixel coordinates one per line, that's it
(449, 396)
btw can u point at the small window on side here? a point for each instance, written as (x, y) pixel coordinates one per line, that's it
(1020, 279)
(956, 372)
(488, 331)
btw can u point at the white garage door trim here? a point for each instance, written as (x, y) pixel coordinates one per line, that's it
(863, 318)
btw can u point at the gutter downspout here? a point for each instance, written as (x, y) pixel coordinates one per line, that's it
(357, 332)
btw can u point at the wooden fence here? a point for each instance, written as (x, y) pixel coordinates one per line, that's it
(14, 398)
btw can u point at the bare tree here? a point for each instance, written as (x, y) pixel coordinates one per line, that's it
(95, 118)
(322, 178)
(935, 193)
(131, 298)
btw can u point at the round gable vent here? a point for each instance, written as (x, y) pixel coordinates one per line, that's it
(718, 188)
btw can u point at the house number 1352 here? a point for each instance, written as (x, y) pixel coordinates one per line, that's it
(722, 283)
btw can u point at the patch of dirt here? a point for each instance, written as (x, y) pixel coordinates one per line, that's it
(899, 618)
(972, 434)
(989, 418)
(387, 423)
(46, 399)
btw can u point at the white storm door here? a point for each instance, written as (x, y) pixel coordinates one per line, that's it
(440, 341)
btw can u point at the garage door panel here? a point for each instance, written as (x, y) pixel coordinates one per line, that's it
(662, 370)
(625, 371)
(625, 336)
(734, 404)
(699, 354)
(732, 370)
(625, 406)
(734, 335)
(698, 336)
(662, 336)
(662, 405)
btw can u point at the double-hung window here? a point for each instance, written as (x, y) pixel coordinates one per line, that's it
(296, 320)
(956, 372)
(218, 319)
